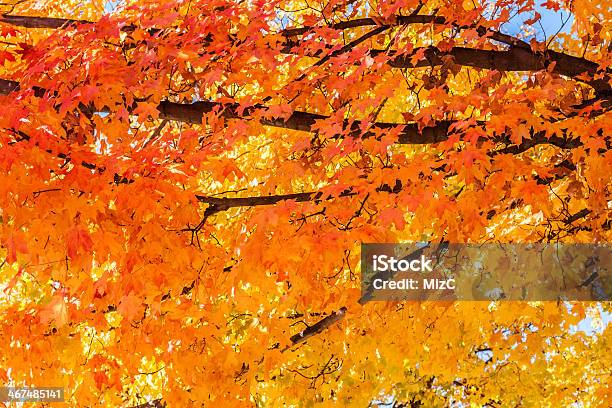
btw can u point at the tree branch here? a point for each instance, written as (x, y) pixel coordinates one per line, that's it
(305, 121)
(218, 204)
(575, 217)
(318, 327)
(513, 59)
(298, 120)
(157, 403)
(40, 22)
(408, 20)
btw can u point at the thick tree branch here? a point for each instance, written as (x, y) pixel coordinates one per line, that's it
(410, 133)
(298, 120)
(40, 22)
(513, 59)
(305, 121)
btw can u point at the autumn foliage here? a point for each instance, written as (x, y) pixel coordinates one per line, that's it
(184, 186)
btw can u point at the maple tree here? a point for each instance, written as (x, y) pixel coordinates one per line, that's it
(184, 186)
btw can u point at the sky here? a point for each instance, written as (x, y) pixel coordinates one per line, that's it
(551, 22)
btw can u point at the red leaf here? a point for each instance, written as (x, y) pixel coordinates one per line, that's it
(7, 31)
(15, 243)
(78, 241)
(6, 56)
